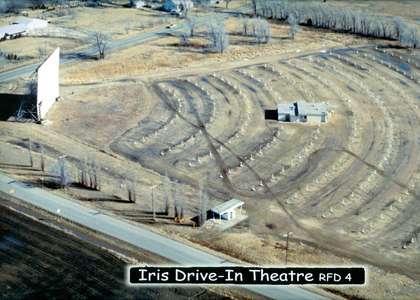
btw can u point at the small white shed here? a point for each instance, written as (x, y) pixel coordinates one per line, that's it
(138, 4)
(227, 210)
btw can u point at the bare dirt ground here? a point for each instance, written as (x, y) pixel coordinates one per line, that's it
(348, 190)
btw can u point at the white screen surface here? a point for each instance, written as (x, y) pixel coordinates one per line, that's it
(48, 89)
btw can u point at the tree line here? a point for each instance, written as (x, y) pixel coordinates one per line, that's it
(7, 6)
(322, 15)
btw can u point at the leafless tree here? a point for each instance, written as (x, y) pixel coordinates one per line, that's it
(131, 189)
(60, 169)
(219, 40)
(42, 52)
(261, 30)
(83, 173)
(245, 26)
(202, 215)
(101, 41)
(254, 7)
(294, 25)
(176, 204)
(153, 203)
(89, 173)
(166, 193)
(42, 162)
(326, 16)
(31, 159)
(181, 211)
(227, 3)
(192, 24)
(93, 173)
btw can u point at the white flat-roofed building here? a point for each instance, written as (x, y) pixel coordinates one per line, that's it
(227, 210)
(12, 31)
(303, 112)
(20, 27)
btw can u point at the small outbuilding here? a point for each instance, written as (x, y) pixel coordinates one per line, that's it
(12, 31)
(177, 6)
(303, 112)
(227, 210)
(20, 27)
(137, 4)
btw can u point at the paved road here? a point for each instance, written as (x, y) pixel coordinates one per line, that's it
(135, 235)
(89, 52)
(113, 46)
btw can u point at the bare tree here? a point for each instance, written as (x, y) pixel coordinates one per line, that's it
(175, 196)
(227, 3)
(178, 205)
(245, 26)
(101, 41)
(42, 52)
(261, 30)
(219, 40)
(42, 162)
(88, 171)
(166, 193)
(254, 7)
(93, 172)
(294, 25)
(62, 174)
(202, 215)
(131, 189)
(83, 173)
(326, 16)
(181, 211)
(31, 159)
(153, 203)
(192, 24)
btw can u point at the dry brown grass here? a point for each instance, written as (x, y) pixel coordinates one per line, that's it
(164, 55)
